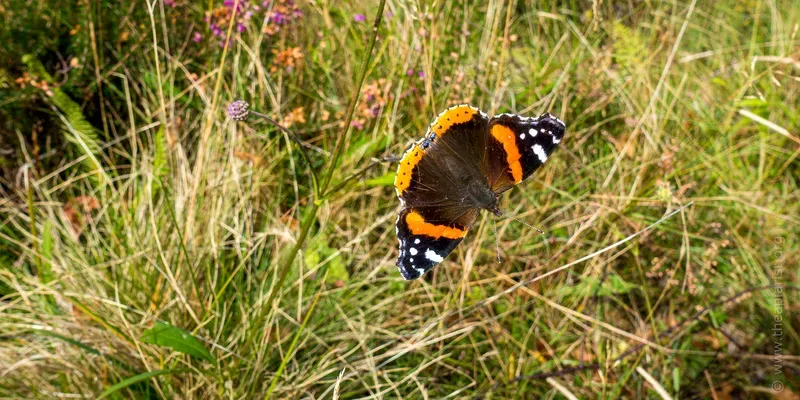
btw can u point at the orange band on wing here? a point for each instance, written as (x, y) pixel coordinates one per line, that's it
(450, 117)
(505, 135)
(417, 225)
(403, 178)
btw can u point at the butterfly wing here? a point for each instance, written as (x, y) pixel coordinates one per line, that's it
(432, 182)
(424, 244)
(518, 146)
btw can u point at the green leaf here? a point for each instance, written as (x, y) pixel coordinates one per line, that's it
(160, 166)
(613, 285)
(385, 180)
(46, 262)
(619, 286)
(175, 338)
(752, 103)
(320, 252)
(77, 130)
(676, 380)
(138, 378)
(46, 269)
(337, 271)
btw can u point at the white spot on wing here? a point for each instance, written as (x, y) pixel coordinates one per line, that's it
(556, 140)
(413, 251)
(533, 132)
(416, 241)
(431, 255)
(522, 136)
(539, 151)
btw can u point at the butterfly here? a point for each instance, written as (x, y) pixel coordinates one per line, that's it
(461, 166)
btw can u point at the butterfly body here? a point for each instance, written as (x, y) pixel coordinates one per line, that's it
(461, 166)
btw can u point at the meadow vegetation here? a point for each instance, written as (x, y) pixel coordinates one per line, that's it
(153, 247)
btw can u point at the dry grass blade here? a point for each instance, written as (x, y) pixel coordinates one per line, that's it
(654, 383)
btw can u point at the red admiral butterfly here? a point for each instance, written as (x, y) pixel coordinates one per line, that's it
(461, 166)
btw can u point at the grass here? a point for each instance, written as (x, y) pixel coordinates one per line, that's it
(135, 200)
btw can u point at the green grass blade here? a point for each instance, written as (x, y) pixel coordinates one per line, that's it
(139, 378)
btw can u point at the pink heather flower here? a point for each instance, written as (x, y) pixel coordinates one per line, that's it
(240, 27)
(197, 37)
(410, 72)
(360, 18)
(279, 18)
(357, 125)
(170, 3)
(420, 74)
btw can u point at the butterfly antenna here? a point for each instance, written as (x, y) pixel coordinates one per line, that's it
(500, 213)
(497, 242)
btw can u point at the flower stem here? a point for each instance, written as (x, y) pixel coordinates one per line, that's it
(300, 146)
(310, 217)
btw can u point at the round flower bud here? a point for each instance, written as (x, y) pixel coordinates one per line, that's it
(238, 110)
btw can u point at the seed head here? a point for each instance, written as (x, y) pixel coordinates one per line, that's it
(238, 110)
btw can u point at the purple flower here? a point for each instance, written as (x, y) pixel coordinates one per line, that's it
(170, 3)
(279, 18)
(197, 37)
(360, 18)
(357, 125)
(240, 27)
(420, 74)
(410, 72)
(374, 111)
(238, 110)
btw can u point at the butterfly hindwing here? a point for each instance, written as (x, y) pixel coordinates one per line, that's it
(424, 244)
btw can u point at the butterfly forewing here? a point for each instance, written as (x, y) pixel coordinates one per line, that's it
(520, 145)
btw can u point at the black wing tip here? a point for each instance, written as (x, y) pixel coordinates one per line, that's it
(558, 126)
(550, 117)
